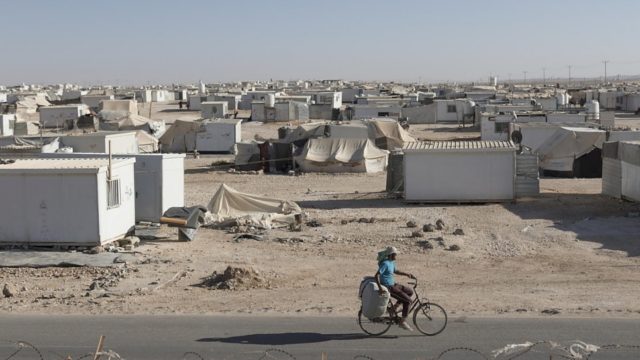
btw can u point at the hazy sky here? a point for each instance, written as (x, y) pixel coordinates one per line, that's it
(140, 42)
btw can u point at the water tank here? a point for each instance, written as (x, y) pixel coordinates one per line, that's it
(593, 110)
(561, 99)
(493, 81)
(270, 100)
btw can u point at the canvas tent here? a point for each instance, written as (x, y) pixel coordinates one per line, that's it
(341, 155)
(146, 142)
(121, 120)
(388, 134)
(181, 136)
(229, 206)
(560, 150)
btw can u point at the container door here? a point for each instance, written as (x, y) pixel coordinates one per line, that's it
(148, 196)
(527, 175)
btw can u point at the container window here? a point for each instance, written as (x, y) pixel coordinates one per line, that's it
(451, 108)
(502, 127)
(113, 193)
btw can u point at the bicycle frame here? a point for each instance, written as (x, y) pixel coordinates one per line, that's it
(416, 302)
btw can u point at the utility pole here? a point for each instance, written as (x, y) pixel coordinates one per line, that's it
(525, 76)
(605, 62)
(544, 76)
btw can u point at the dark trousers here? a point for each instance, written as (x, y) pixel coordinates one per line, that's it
(403, 294)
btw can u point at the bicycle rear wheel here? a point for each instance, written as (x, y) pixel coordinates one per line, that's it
(375, 327)
(430, 319)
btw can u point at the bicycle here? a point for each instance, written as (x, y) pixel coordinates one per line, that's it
(429, 318)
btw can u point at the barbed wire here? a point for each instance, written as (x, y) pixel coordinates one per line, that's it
(576, 350)
(463, 349)
(267, 354)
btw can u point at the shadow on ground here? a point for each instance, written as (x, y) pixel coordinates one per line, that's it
(291, 338)
(612, 223)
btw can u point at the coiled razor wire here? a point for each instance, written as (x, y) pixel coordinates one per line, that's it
(192, 353)
(21, 346)
(614, 347)
(267, 354)
(576, 350)
(461, 349)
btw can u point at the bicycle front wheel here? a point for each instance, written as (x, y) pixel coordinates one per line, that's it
(374, 327)
(430, 319)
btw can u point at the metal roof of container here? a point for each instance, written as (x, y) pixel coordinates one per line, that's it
(453, 146)
(92, 165)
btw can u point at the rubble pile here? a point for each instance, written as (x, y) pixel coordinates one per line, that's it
(235, 278)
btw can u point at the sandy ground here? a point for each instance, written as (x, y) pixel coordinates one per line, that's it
(570, 249)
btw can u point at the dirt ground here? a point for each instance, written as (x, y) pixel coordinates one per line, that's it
(570, 251)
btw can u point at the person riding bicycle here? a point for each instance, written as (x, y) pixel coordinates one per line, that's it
(385, 276)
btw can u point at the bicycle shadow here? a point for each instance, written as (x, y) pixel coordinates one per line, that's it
(290, 338)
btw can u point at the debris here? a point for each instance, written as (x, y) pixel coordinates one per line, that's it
(293, 240)
(235, 278)
(366, 220)
(179, 275)
(129, 240)
(440, 241)
(551, 311)
(416, 234)
(428, 228)
(458, 232)
(240, 237)
(425, 244)
(8, 291)
(412, 224)
(314, 223)
(344, 222)
(440, 224)
(95, 250)
(94, 286)
(454, 247)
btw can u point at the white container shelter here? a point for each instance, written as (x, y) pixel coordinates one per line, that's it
(459, 171)
(219, 136)
(66, 201)
(122, 142)
(214, 109)
(159, 180)
(7, 124)
(62, 115)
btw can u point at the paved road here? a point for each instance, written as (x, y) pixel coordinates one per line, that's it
(247, 337)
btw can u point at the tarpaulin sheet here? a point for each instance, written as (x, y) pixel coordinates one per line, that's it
(560, 150)
(231, 206)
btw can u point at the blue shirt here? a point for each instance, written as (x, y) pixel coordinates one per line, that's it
(387, 269)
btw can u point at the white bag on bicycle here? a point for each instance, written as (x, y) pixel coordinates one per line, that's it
(374, 305)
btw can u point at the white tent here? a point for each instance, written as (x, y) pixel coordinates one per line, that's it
(390, 132)
(560, 150)
(341, 155)
(121, 120)
(231, 206)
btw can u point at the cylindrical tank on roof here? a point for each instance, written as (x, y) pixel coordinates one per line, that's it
(493, 81)
(593, 109)
(562, 99)
(270, 100)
